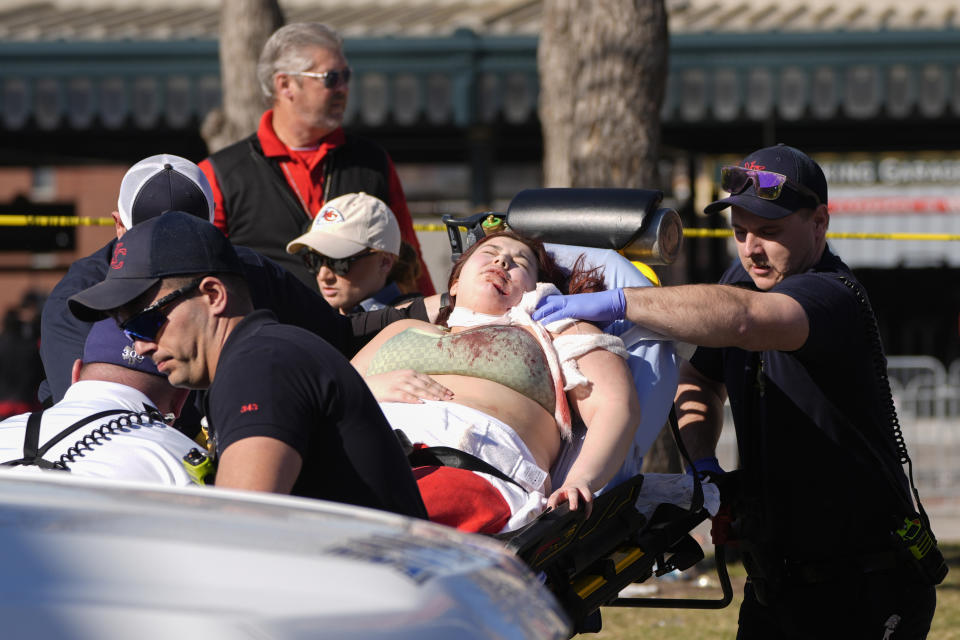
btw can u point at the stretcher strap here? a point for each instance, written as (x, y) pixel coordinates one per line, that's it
(696, 500)
(449, 457)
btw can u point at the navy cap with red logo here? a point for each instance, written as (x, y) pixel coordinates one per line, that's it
(174, 244)
(798, 168)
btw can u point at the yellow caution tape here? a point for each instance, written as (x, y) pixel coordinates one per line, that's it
(18, 220)
(429, 227)
(53, 221)
(841, 235)
(892, 236)
(707, 233)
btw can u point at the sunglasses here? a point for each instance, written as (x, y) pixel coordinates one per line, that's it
(340, 266)
(767, 184)
(147, 324)
(331, 79)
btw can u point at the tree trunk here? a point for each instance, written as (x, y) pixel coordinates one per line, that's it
(603, 69)
(245, 26)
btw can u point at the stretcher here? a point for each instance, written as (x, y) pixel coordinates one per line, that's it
(587, 562)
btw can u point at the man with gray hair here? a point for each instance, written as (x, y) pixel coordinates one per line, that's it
(269, 186)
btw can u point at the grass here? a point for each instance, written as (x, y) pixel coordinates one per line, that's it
(692, 624)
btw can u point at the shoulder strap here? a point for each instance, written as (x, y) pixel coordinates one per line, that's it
(31, 435)
(824, 414)
(76, 425)
(33, 453)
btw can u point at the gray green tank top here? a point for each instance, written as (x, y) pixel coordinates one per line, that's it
(503, 354)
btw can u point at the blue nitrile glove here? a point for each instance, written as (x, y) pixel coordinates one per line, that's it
(600, 307)
(707, 467)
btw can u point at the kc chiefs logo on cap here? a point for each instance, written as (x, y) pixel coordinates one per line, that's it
(328, 215)
(118, 252)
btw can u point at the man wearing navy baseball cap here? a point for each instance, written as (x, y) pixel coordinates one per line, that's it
(789, 337)
(286, 411)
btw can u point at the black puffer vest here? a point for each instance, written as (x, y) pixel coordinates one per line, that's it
(263, 211)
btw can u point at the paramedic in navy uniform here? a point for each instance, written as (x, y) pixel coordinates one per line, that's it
(286, 411)
(789, 337)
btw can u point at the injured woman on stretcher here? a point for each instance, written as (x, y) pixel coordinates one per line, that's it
(497, 385)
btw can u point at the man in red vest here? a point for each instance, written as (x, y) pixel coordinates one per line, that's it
(269, 186)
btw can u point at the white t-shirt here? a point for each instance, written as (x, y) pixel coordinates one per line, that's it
(150, 452)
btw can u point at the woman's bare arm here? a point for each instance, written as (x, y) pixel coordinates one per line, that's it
(610, 410)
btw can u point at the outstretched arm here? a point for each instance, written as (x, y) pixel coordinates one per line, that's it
(711, 315)
(610, 410)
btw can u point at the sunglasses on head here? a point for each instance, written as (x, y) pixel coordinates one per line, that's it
(146, 324)
(767, 184)
(331, 79)
(340, 266)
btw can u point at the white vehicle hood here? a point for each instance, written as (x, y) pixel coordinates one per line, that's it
(83, 558)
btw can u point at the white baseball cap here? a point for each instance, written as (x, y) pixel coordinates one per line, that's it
(164, 183)
(349, 224)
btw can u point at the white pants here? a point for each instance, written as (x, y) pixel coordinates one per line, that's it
(447, 424)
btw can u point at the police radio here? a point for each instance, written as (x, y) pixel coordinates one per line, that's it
(915, 538)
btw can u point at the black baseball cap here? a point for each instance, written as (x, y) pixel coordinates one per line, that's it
(173, 244)
(796, 166)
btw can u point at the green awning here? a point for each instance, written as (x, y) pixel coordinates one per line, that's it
(466, 79)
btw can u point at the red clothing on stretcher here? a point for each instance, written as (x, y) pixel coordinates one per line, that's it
(461, 499)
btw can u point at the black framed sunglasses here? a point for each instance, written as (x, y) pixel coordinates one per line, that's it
(331, 79)
(767, 184)
(146, 324)
(340, 266)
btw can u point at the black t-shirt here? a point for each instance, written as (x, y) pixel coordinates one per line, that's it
(283, 382)
(819, 501)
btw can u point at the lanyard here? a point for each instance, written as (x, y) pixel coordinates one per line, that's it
(296, 188)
